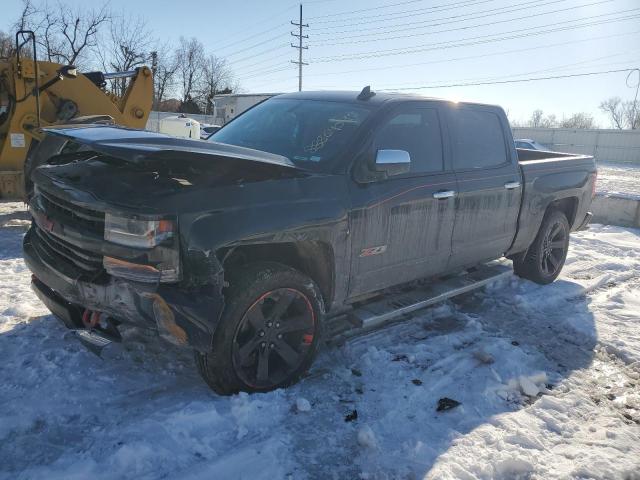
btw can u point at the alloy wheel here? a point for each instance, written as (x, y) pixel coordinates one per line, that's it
(273, 338)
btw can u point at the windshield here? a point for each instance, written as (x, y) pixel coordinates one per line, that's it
(310, 133)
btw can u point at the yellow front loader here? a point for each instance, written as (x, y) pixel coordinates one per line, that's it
(36, 94)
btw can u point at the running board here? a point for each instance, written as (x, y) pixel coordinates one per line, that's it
(380, 312)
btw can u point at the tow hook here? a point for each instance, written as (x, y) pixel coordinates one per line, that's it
(98, 332)
(90, 319)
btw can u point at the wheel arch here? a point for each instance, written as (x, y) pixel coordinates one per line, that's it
(315, 259)
(567, 205)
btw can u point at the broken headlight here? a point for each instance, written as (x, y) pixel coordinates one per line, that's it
(134, 232)
(161, 260)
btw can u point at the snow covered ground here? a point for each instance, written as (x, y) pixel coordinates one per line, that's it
(619, 179)
(548, 380)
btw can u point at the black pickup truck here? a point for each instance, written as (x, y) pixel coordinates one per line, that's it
(243, 246)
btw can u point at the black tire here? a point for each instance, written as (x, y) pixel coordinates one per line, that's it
(252, 329)
(545, 257)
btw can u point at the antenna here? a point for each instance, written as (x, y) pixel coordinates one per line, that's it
(366, 93)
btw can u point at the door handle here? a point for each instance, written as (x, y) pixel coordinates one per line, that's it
(511, 185)
(444, 194)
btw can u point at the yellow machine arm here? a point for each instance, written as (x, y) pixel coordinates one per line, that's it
(40, 94)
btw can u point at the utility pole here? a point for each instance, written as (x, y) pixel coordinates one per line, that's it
(299, 36)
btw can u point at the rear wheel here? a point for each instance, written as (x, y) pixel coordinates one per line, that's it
(268, 333)
(545, 257)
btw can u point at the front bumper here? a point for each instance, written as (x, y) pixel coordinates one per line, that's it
(183, 317)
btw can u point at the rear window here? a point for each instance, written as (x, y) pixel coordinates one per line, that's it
(478, 139)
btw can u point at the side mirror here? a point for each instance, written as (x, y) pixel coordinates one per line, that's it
(393, 162)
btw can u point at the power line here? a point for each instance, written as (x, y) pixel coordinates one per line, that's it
(265, 59)
(469, 27)
(402, 14)
(250, 37)
(500, 82)
(465, 27)
(363, 9)
(257, 55)
(555, 69)
(472, 57)
(251, 69)
(274, 68)
(430, 22)
(300, 47)
(482, 39)
(403, 49)
(259, 44)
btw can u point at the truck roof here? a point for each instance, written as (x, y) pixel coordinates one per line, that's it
(377, 99)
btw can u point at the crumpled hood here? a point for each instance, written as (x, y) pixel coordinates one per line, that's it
(140, 145)
(135, 170)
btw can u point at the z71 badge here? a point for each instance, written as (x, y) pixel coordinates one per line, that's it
(368, 252)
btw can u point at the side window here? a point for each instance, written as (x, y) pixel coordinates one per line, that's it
(417, 131)
(478, 139)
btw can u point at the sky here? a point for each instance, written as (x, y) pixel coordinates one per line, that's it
(404, 44)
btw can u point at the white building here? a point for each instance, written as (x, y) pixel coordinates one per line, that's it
(226, 107)
(231, 105)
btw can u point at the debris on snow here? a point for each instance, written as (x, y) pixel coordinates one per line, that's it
(528, 387)
(366, 437)
(303, 405)
(351, 416)
(446, 404)
(416, 381)
(532, 385)
(483, 357)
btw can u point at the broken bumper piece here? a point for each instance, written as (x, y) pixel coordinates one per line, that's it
(183, 317)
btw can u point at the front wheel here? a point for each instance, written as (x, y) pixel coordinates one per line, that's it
(268, 334)
(545, 257)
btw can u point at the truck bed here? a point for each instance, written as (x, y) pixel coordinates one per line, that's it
(546, 175)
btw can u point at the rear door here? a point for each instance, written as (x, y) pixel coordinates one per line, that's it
(489, 184)
(399, 230)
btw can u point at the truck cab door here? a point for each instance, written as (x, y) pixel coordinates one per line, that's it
(489, 183)
(401, 225)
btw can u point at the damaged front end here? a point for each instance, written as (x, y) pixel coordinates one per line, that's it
(113, 227)
(127, 269)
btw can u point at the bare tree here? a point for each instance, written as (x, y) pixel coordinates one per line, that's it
(190, 72)
(66, 34)
(26, 15)
(539, 120)
(615, 111)
(578, 120)
(165, 68)
(80, 29)
(6, 45)
(631, 110)
(127, 46)
(536, 118)
(217, 77)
